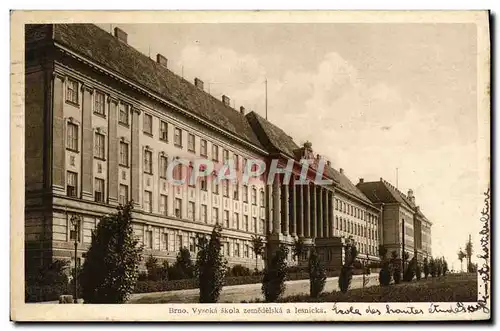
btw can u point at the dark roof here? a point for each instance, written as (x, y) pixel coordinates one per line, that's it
(101, 47)
(271, 137)
(346, 185)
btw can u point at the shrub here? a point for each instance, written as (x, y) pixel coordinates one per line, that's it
(111, 267)
(418, 271)
(239, 270)
(346, 271)
(426, 268)
(183, 267)
(317, 275)
(432, 268)
(410, 271)
(153, 268)
(384, 276)
(211, 267)
(273, 282)
(445, 267)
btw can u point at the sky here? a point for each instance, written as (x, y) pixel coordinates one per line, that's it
(372, 98)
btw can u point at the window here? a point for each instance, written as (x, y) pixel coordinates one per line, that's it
(123, 194)
(99, 103)
(75, 233)
(178, 208)
(225, 187)
(99, 190)
(215, 153)
(245, 193)
(215, 215)
(203, 147)
(163, 131)
(225, 156)
(165, 241)
(123, 114)
(215, 185)
(236, 159)
(163, 166)
(191, 213)
(237, 249)
(72, 137)
(72, 91)
(192, 244)
(99, 145)
(203, 213)
(71, 184)
(236, 221)
(262, 226)
(179, 241)
(254, 196)
(177, 172)
(147, 125)
(163, 204)
(254, 224)
(148, 162)
(226, 248)
(191, 146)
(245, 251)
(203, 183)
(178, 137)
(226, 218)
(147, 201)
(244, 165)
(123, 154)
(149, 239)
(336, 204)
(262, 198)
(337, 222)
(236, 191)
(245, 222)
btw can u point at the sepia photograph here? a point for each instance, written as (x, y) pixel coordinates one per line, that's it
(250, 166)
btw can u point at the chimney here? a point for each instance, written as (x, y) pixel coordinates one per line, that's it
(341, 171)
(198, 83)
(381, 179)
(160, 59)
(242, 110)
(120, 35)
(226, 100)
(328, 163)
(361, 180)
(411, 197)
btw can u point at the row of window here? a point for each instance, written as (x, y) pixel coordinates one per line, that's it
(349, 226)
(354, 211)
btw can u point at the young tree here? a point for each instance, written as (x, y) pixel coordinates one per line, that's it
(111, 267)
(211, 266)
(273, 282)
(384, 276)
(396, 265)
(461, 257)
(410, 270)
(317, 274)
(345, 277)
(298, 249)
(445, 266)
(468, 252)
(426, 268)
(153, 268)
(418, 271)
(258, 249)
(183, 267)
(432, 267)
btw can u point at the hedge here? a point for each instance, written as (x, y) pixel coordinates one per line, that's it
(148, 286)
(42, 293)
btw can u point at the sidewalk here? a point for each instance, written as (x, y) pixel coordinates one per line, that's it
(245, 292)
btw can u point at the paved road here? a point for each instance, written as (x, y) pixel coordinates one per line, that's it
(247, 292)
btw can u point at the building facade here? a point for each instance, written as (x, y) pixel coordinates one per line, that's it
(104, 124)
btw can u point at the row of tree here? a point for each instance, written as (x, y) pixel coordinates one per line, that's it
(467, 254)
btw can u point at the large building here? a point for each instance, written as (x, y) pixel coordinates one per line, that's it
(104, 122)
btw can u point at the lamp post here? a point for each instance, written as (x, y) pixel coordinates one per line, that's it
(75, 222)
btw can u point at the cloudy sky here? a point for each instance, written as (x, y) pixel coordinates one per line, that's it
(370, 97)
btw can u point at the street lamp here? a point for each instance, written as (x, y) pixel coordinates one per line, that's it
(75, 223)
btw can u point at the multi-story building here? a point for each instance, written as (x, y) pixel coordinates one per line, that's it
(103, 122)
(398, 209)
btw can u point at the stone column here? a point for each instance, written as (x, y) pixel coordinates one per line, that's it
(332, 215)
(327, 225)
(276, 206)
(300, 210)
(87, 143)
(269, 208)
(307, 210)
(285, 209)
(320, 212)
(58, 167)
(293, 204)
(136, 162)
(112, 151)
(314, 214)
